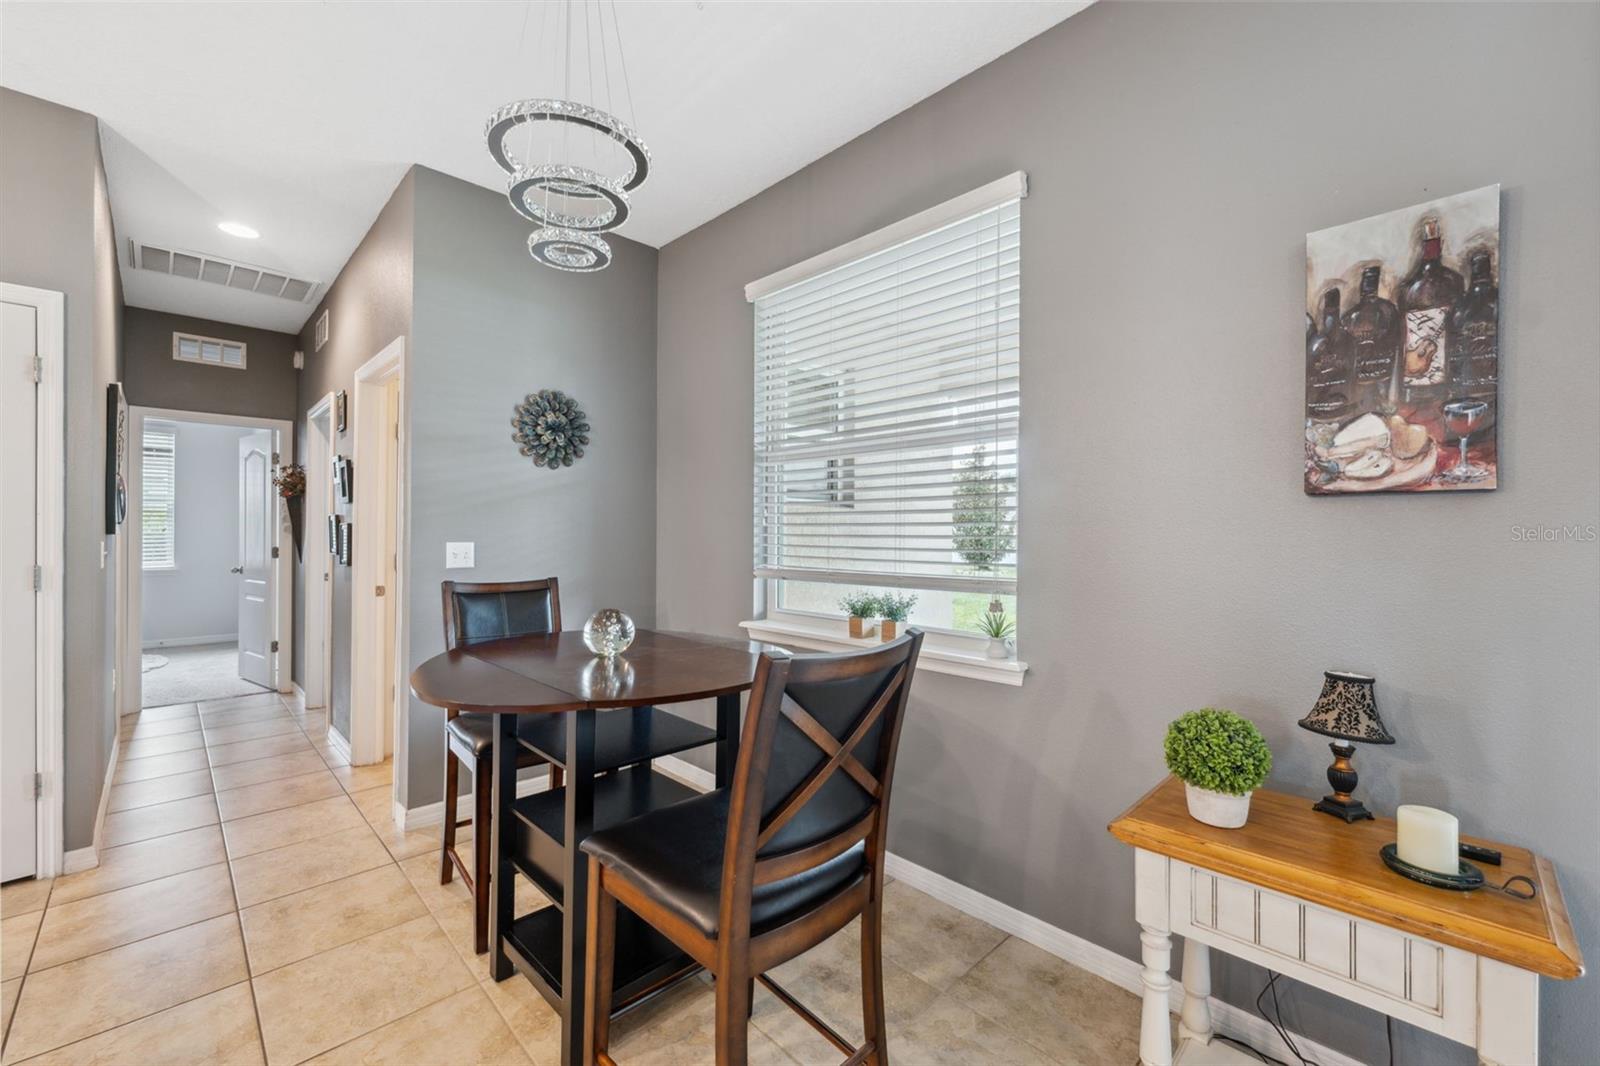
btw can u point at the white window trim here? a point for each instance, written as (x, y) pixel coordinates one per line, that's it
(942, 653)
(178, 338)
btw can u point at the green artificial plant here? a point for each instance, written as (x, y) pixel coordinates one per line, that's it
(895, 608)
(1218, 750)
(859, 604)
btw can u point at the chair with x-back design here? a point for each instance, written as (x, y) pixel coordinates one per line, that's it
(747, 877)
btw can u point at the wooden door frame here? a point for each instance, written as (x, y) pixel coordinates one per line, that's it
(283, 573)
(368, 700)
(50, 479)
(318, 600)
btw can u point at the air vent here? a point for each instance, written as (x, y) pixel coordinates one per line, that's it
(226, 272)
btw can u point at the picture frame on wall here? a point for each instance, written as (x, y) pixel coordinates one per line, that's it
(116, 457)
(346, 532)
(334, 521)
(340, 410)
(344, 478)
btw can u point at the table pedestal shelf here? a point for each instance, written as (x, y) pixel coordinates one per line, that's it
(646, 962)
(622, 737)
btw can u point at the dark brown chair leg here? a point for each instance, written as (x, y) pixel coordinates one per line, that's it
(733, 1017)
(873, 1021)
(599, 964)
(482, 806)
(452, 770)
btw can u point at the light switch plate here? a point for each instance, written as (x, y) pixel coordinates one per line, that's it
(458, 554)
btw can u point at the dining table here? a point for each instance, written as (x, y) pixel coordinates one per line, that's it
(601, 719)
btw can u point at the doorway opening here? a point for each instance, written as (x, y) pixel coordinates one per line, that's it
(320, 554)
(209, 589)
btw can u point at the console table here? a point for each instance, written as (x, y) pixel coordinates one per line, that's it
(1308, 896)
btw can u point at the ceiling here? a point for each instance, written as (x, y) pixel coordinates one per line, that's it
(300, 118)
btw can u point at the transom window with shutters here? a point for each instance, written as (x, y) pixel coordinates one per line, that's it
(158, 519)
(209, 351)
(887, 412)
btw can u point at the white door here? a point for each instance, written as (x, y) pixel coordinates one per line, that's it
(18, 695)
(257, 570)
(391, 548)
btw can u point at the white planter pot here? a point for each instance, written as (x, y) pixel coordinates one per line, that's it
(1217, 808)
(998, 649)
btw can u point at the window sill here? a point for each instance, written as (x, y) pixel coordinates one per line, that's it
(938, 660)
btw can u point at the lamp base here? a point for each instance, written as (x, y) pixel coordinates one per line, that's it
(1351, 810)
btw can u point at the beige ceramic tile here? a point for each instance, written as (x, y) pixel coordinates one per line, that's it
(377, 806)
(272, 768)
(949, 1033)
(240, 716)
(162, 714)
(281, 871)
(24, 897)
(276, 795)
(219, 1029)
(165, 728)
(160, 766)
(16, 943)
(532, 1021)
(295, 927)
(331, 757)
(276, 829)
(423, 872)
(134, 864)
(1025, 989)
(8, 1000)
(246, 750)
(461, 1029)
(159, 820)
(931, 940)
(679, 1028)
(86, 926)
(319, 1003)
(158, 790)
(254, 699)
(217, 735)
(143, 749)
(91, 995)
(362, 778)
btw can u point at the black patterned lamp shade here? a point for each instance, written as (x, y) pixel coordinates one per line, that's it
(1347, 710)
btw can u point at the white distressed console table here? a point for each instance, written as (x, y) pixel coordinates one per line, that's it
(1308, 896)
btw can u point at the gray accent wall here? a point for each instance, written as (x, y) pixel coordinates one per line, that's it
(1177, 155)
(266, 388)
(490, 326)
(56, 232)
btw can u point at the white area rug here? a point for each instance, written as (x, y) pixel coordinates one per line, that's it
(200, 672)
(149, 662)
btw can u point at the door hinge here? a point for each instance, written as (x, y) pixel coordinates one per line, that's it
(38, 578)
(274, 646)
(274, 458)
(38, 369)
(274, 551)
(38, 785)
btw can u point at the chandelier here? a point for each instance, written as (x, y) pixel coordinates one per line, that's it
(570, 165)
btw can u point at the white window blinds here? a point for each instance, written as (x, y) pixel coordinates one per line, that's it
(886, 413)
(158, 520)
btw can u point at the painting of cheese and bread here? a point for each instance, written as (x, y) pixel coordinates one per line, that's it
(1402, 350)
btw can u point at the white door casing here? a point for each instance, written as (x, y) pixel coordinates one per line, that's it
(318, 560)
(18, 557)
(256, 568)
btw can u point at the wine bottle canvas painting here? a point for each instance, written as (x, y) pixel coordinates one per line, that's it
(1402, 350)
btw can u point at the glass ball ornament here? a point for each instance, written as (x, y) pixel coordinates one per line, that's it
(608, 632)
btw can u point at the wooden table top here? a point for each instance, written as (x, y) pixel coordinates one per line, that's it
(1288, 847)
(557, 672)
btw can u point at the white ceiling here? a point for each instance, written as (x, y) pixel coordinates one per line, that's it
(300, 118)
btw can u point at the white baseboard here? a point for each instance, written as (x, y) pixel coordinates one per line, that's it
(184, 642)
(88, 858)
(433, 813)
(1229, 1021)
(338, 743)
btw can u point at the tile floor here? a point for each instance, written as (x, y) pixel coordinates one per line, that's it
(256, 902)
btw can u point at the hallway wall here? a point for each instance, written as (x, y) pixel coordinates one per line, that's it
(266, 388)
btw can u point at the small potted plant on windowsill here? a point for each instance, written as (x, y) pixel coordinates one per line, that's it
(1221, 759)
(999, 629)
(893, 610)
(862, 609)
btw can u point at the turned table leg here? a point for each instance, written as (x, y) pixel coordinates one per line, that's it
(1155, 1027)
(1194, 1023)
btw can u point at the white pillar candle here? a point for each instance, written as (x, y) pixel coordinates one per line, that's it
(1429, 838)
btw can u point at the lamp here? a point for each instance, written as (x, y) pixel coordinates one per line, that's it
(1347, 711)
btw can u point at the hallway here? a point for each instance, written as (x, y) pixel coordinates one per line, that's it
(193, 673)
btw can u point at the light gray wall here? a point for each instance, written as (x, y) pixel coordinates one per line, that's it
(265, 388)
(369, 305)
(200, 597)
(490, 326)
(1177, 155)
(56, 233)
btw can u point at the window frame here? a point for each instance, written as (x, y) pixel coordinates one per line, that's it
(178, 337)
(171, 432)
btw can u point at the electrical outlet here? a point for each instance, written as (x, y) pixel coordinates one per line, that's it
(458, 554)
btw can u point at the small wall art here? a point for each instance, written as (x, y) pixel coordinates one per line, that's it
(1402, 350)
(344, 479)
(340, 410)
(346, 532)
(334, 522)
(116, 457)
(550, 428)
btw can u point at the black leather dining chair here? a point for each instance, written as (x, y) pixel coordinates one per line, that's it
(747, 877)
(474, 613)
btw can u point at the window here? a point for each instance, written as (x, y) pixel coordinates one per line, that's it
(158, 519)
(886, 418)
(188, 348)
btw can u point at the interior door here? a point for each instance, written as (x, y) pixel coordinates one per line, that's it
(257, 570)
(18, 473)
(391, 549)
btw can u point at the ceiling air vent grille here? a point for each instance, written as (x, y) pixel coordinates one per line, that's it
(226, 272)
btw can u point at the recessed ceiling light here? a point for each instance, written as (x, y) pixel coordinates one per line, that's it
(238, 229)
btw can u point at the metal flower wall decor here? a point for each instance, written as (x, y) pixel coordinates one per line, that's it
(550, 427)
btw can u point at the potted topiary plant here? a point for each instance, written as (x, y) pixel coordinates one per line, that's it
(893, 610)
(1221, 758)
(997, 627)
(862, 607)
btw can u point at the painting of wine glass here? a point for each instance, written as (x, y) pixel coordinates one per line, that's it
(1403, 350)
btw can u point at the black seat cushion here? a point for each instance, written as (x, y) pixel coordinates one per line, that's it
(675, 855)
(471, 732)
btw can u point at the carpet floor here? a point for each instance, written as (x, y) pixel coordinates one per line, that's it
(197, 672)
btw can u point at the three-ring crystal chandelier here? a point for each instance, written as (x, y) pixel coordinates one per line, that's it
(572, 164)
